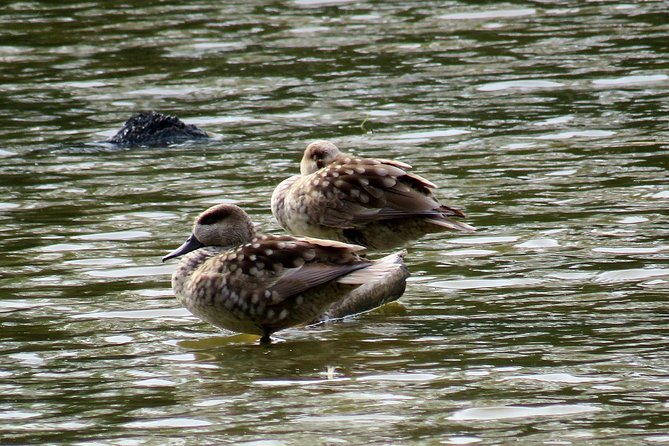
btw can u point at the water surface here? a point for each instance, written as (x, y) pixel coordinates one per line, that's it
(546, 122)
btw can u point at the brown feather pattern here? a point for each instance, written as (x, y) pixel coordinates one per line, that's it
(368, 195)
(264, 283)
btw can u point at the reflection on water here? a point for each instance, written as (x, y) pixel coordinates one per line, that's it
(498, 413)
(545, 121)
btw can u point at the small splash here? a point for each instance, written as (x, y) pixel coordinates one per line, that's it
(626, 81)
(631, 275)
(538, 243)
(521, 84)
(474, 284)
(505, 412)
(491, 14)
(330, 372)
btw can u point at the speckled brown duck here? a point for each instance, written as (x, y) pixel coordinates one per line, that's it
(259, 284)
(376, 203)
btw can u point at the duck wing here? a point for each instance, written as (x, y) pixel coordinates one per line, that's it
(359, 191)
(275, 268)
(301, 279)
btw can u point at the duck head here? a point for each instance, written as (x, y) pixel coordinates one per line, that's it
(224, 225)
(317, 155)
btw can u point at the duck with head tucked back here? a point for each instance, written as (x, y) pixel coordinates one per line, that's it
(376, 203)
(259, 284)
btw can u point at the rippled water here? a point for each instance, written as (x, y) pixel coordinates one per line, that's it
(546, 121)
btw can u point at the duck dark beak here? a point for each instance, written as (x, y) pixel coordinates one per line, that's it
(189, 245)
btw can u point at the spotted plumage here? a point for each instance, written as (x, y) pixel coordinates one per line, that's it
(235, 279)
(372, 202)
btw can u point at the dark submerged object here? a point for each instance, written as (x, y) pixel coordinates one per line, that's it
(156, 129)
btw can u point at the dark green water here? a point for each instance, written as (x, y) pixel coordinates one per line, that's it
(546, 121)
